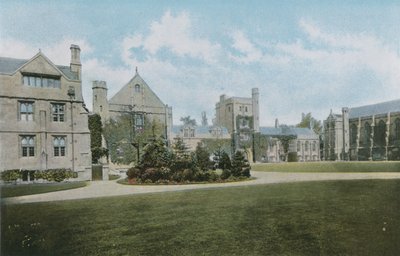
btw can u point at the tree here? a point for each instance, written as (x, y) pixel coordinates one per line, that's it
(240, 165)
(186, 120)
(155, 155)
(285, 142)
(182, 158)
(202, 157)
(120, 137)
(96, 130)
(307, 121)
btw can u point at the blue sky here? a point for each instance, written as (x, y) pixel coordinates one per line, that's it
(304, 56)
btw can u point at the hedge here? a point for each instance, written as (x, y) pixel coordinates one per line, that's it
(57, 175)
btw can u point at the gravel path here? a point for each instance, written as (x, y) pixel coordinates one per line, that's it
(111, 188)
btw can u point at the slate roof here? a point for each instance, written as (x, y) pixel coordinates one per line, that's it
(304, 133)
(9, 65)
(375, 109)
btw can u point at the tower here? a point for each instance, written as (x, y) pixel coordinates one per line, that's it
(100, 102)
(256, 108)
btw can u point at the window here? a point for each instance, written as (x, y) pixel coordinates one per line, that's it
(28, 145)
(58, 111)
(380, 134)
(38, 80)
(353, 135)
(314, 146)
(298, 146)
(25, 110)
(367, 134)
(306, 146)
(397, 129)
(137, 88)
(59, 145)
(139, 122)
(245, 109)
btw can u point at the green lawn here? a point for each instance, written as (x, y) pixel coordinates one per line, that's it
(307, 218)
(30, 189)
(329, 167)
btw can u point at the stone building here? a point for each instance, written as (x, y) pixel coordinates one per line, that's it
(304, 142)
(369, 132)
(192, 135)
(238, 113)
(135, 98)
(43, 119)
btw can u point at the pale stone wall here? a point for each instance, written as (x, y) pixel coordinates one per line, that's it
(74, 127)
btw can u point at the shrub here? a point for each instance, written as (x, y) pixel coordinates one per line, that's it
(11, 175)
(133, 173)
(226, 173)
(240, 166)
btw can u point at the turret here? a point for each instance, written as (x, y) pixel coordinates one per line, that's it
(100, 103)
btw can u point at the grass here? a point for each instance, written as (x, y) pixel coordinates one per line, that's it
(308, 218)
(329, 167)
(30, 189)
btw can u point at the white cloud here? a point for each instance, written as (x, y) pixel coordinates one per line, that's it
(58, 52)
(249, 53)
(174, 33)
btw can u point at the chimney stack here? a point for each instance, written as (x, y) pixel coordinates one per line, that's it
(75, 64)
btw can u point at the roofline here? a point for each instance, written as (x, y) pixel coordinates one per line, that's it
(28, 61)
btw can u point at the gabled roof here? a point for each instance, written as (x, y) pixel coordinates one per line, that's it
(9, 66)
(287, 130)
(123, 97)
(375, 109)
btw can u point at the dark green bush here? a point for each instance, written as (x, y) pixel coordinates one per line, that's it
(292, 157)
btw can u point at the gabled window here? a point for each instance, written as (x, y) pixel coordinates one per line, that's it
(59, 145)
(27, 145)
(26, 110)
(38, 80)
(58, 112)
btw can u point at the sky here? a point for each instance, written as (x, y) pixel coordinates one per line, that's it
(304, 56)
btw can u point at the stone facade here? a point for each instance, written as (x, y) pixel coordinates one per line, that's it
(43, 119)
(305, 144)
(137, 98)
(192, 135)
(369, 132)
(233, 113)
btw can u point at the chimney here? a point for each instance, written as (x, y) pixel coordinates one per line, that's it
(75, 64)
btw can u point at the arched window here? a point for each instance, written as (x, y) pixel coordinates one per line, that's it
(306, 146)
(380, 134)
(137, 88)
(353, 135)
(314, 146)
(397, 129)
(367, 134)
(298, 146)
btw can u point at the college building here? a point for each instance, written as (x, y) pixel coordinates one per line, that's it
(43, 119)
(369, 132)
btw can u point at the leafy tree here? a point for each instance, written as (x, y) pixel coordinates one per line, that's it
(285, 142)
(307, 121)
(120, 137)
(186, 120)
(95, 127)
(202, 157)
